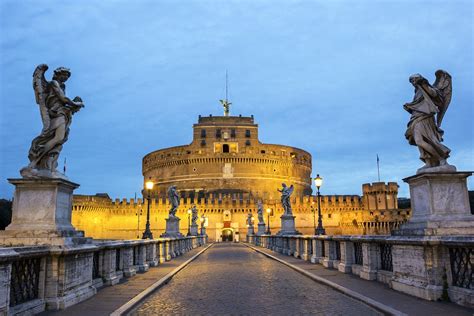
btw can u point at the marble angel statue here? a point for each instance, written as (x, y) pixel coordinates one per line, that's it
(285, 198)
(56, 111)
(427, 110)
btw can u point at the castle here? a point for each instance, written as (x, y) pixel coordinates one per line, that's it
(225, 171)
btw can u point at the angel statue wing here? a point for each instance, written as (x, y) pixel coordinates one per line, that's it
(445, 90)
(291, 189)
(40, 86)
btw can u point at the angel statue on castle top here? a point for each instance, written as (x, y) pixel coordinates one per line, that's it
(56, 113)
(424, 128)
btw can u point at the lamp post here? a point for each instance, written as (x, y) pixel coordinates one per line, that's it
(269, 211)
(147, 233)
(202, 222)
(318, 181)
(138, 214)
(189, 222)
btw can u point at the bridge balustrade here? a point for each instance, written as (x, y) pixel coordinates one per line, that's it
(29, 275)
(447, 264)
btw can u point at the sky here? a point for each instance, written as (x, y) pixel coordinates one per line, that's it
(329, 77)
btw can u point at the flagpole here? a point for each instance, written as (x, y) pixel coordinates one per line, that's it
(378, 167)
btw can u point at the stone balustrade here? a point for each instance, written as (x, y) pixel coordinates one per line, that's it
(431, 268)
(38, 278)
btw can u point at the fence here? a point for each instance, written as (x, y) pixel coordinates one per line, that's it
(41, 278)
(426, 267)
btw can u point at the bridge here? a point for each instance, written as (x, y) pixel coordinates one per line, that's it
(267, 275)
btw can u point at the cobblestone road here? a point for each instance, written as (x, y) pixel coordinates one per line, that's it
(231, 279)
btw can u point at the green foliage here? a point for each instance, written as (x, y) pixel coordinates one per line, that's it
(5, 213)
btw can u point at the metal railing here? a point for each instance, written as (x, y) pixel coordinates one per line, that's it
(386, 257)
(338, 250)
(462, 266)
(24, 283)
(358, 255)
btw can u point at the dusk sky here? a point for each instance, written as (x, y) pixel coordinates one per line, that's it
(330, 77)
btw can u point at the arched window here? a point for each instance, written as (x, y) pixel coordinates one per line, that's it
(225, 148)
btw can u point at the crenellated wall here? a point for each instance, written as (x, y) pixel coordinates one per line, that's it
(102, 217)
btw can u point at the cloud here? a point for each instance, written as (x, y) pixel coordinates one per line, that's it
(328, 77)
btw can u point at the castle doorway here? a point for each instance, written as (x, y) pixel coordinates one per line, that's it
(227, 234)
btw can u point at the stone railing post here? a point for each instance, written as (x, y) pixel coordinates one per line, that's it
(110, 275)
(141, 263)
(69, 271)
(317, 250)
(305, 251)
(371, 254)
(297, 246)
(347, 257)
(330, 255)
(418, 269)
(151, 254)
(127, 261)
(168, 250)
(6, 257)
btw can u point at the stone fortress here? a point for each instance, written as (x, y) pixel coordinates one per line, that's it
(225, 171)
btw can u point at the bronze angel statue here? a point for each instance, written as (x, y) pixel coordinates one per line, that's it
(427, 111)
(56, 113)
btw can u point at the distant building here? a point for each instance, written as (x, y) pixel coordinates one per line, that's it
(224, 172)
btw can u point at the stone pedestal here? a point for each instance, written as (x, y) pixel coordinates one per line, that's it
(172, 228)
(288, 225)
(440, 205)
(261, 229)
(194, 230)
(250, 230)
(42, 214)
(203, 231)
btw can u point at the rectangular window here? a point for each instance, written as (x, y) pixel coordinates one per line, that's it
(218, 133)
(232, 133)
(247, 133)
(203, 133)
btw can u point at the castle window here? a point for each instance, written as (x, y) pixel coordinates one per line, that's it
(247, 143)
(203, 133)
(247, 133)
(203, 142)
(262, 151)
(232, 133)
(218, 133)
(225, 148)
(329, 215)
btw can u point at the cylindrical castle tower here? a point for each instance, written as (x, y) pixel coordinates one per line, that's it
(226, 156)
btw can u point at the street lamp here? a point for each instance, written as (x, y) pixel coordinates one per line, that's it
(269, 211)
(138, 214)
(147, 233)
(189, 222)
(318, 181)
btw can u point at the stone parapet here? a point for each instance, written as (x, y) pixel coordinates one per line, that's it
(61, 276)
(428, 267)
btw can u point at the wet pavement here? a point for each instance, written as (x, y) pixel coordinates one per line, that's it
(231, 279)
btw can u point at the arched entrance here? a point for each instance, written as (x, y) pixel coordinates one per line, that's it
(227, 234)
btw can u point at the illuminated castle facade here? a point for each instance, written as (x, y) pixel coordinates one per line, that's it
(225, 171)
